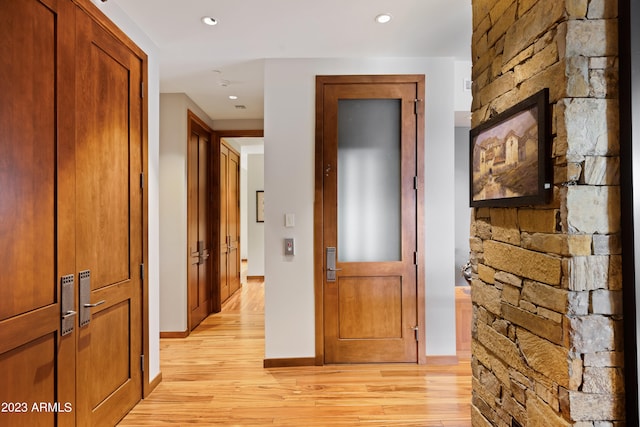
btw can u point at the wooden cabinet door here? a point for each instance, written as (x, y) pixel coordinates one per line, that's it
(37, 363)
(233, 221)
(199, 224)
(71, 155)
(108, 218)
(229, 222)
(224, 217)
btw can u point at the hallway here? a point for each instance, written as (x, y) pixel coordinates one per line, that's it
(215, 378)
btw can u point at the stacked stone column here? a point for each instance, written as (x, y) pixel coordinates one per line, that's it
(547, 330)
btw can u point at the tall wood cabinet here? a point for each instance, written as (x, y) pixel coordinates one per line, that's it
(199, 221)
(72, 215)
(229, 221)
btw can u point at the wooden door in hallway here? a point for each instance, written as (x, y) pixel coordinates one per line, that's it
(229, 221)
(370, 179)
(71, 216)
(37, 359)
(199, 230)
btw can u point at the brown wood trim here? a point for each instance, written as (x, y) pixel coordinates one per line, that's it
(442, 360)
(216, 300)
(318, 222)
(229, 146)
(255, 278)
(193, 118)
(249, 133)
(289, 362)
(176, 334)
(370, 78)
(152, 385)
(101, 19)
(420, 239)
(145, 226)
(463, 355)
(318, 225)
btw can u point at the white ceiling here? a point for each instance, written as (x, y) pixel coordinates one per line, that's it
(211, 63)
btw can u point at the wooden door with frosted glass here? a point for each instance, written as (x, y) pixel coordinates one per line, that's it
(370, 210)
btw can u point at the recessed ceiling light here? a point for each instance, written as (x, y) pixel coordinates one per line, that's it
(383, 18)
(209, 20)
(233, 97)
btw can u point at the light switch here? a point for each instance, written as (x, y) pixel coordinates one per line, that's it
(289, 220)
(289, 248)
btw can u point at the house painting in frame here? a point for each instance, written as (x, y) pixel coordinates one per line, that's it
(509, 156)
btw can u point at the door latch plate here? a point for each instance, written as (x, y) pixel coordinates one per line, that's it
(85, 297)
(67, 313)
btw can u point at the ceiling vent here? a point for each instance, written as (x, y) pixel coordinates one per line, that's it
(241, 107)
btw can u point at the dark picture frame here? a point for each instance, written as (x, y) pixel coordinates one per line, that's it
(260, 206)
(509, 156)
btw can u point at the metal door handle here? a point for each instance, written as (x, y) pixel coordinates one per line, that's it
(68, 314)
(415, 332)
(94, 305)
(331, 264)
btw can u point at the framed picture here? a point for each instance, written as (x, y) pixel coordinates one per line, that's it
(509, 156)
(260, 206)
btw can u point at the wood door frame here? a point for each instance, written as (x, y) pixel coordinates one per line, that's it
(216, 140)
(196, 123)
(148, 385)
(318, 223)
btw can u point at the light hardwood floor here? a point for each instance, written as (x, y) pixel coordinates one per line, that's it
(215, 377)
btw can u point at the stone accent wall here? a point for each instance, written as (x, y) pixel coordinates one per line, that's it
(546, 288)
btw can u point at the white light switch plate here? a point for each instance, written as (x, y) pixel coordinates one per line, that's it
(289, 220)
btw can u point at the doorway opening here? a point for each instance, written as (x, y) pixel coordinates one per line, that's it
(214, 217)
(250, 146)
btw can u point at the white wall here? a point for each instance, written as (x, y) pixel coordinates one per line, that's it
(244, 221)
(462, 96)
(173, 209)
(255, 239)
(255, 230)
(462, 105)
(153, 90)
(463, 211)
(289, 126)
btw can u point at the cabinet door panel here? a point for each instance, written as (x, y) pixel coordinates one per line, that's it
(71, 151)
(37, 364)
(108, 223)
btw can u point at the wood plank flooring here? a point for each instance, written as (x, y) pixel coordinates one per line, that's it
(215, 377)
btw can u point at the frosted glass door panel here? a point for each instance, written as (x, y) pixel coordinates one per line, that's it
(369, 200)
